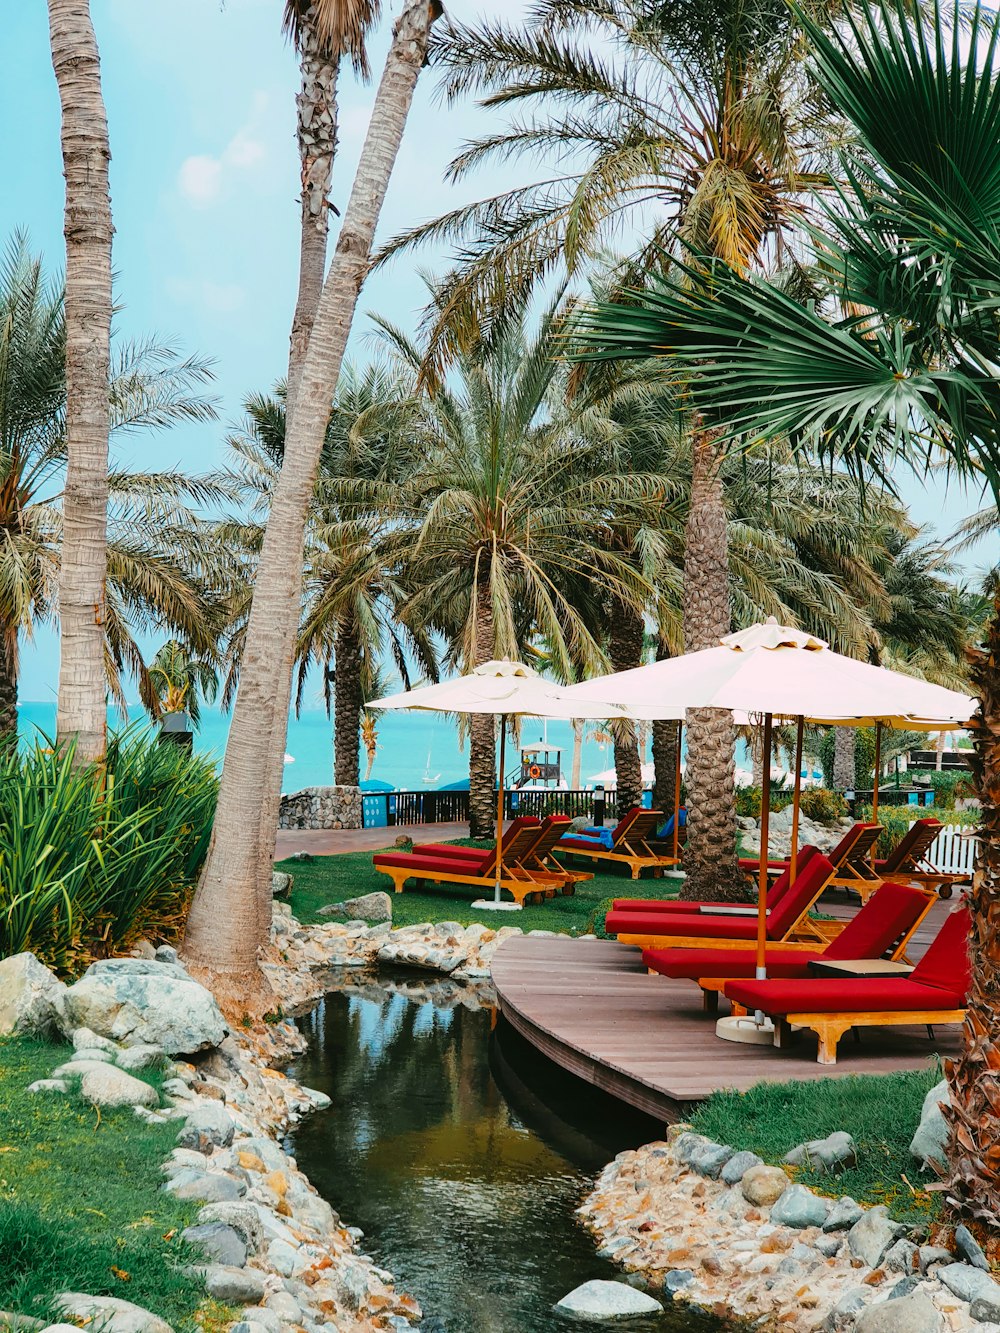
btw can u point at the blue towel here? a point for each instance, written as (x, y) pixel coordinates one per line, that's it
(600, 837)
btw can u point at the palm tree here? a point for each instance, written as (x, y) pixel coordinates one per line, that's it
(159, 567)
(913, 248)
(688, 118)
(181, 681)
(352, 596)
(231, 912)
(88, 229)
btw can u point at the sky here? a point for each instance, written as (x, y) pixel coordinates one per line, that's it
(204, 183)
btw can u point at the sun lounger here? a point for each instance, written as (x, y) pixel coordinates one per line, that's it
(734, 928)
(936, 991)
(681, 906)
(850, 860)
(534, 856)
(908, 861)
(626, 844)
(437, 869)
(882, 928)
(479, 854)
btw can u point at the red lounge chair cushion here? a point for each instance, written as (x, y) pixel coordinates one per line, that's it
(690, 964)
(446, 849)
(753, 863)
(946, 963)
(583, 844)
(885, 918)
(446, 865)
(626, 821)
(833, 995)
(774, 896)
(900, 854)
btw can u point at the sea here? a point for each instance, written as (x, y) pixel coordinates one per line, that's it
(416, 751)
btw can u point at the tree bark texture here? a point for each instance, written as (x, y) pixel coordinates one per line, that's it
(482, 732)
(843, 758)
(347, 704)
(8, 688)
(81, 713)
(578, 726)
(230, 915)
(625, 650)
(664, 751)
(710, 852)
(974, 1078)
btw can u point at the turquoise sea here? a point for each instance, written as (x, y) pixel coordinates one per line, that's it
(416, 750)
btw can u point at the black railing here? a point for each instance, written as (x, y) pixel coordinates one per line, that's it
(452, 807)
(916, 796)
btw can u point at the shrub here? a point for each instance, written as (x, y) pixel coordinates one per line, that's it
(91, 860)
(947, 786)
(819, 803)
(896, 821)
(748, 800)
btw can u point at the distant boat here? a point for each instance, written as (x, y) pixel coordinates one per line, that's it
(429, 779)
(289, 758)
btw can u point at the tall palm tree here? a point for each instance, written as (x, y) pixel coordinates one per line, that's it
(231, 911)
(159, 567)
(913, 248)
(88, 230)
(688, 118)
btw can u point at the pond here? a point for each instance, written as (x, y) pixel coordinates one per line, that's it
(461, 1154)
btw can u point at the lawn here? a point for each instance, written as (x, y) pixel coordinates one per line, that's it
(332, 879)
(881, 1111)
(81, 1208)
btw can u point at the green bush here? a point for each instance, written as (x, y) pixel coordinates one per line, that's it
(90, 859)
(748, 800)
(896, 821)
(947, 785)
(819, 803)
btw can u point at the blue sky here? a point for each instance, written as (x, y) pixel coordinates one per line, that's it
(204, 183)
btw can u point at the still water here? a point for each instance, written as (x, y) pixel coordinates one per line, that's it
(461, 1154)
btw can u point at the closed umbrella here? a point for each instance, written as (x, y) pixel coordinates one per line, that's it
(501, 688)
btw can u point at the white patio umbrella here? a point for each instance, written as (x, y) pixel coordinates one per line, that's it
(505, 689)
(771, 670)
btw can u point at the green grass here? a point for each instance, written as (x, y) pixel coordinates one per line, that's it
(332, 879)
(81, 1208)
(881, 1111)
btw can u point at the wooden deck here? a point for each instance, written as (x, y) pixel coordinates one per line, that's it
(590, 1006)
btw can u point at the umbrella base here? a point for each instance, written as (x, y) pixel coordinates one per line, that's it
(675, 874)
(490, 905)
(744, 1029)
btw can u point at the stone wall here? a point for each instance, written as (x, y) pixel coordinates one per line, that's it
(321, 807)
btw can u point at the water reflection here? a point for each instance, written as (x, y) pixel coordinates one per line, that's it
(465, 1193)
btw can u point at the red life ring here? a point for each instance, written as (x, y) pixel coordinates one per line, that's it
(534, 771)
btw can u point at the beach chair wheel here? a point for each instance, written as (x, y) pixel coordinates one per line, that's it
(945, 891)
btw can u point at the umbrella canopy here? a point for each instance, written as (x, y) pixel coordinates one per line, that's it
(771, 668)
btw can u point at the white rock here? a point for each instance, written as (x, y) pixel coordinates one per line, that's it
(107, 1086)
(931, 1138)
(110, 1314)
(607, 1300)
(28, 994)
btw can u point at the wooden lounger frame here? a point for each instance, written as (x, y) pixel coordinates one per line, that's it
(515, 879)
(637, 858)
(829, 1028)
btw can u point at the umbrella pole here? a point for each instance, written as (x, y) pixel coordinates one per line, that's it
(878, 769)
(796, 797)
(677, 794)
(765, 819)
(500, 794)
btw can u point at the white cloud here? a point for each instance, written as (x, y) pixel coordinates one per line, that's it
(200, 179)
(204, 179)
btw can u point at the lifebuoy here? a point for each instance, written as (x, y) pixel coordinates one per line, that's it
(534, 771)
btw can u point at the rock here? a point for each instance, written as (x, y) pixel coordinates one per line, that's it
(110, 1314)
(737, 1167)
(143, 1003)
(205, 1186)
(607, 1300)
(870, 1238)
(901, 1257)
(243, 1218)
(85, 1040)
(969, 1248)
(28, 995)
(985, 1309)
(140, 1057)
(166, 953)
(284, 1306)
(217, 1241)
(281, 883)
(234, 1286)
(833, 1154)
(843, 1215)
(266, 1319)
(844, 1314)
(968, 1283)
(286, 1259)
(798, 1207)
(910, 1314)
(105, 1085)
(369, 907)
(709, 1159)
(828, 1246)
(321, 807)
(48, 1085)
(928, 1255)
(929, 1142)
(904, 1286)
(94, 1056)
(764, 1185)
(206, 1126)
(677, 1279)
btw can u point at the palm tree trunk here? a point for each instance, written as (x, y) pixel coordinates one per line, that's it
(230, 914)
(88, 229)
(664, 751)
(347, 704)
(625, 642)
(758, 767)
(843, 758)
(974, 1146)
(710, 852)
(578, 726)
(8, 689)
(482, 732)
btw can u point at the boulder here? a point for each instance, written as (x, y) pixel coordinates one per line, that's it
(985, 1309)
(968, 1283)
(217, 1241)
(844, 1314)
(901, 1257)
(281, 883)
(243, 1218)
(138, 1002)
(843, 1215)
(141, 1057)
(369, 907)
(929, 1255)
(105, 1085)
(764, 1185)
(737, 1167)
(234, 1286)
(908, 1314)
(85, 1040)
(206, 1126)
(969, 1248)
(28, 994)
(870, 1238)
(205, 1186)
(831, 1155)
(709, 1159)
(598, 1299)
(110, 1314)
(929, 1142)
(798, 1207)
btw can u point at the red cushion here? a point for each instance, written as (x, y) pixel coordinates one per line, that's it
(753, 863)
(812, 876)
(626, 821)
(834, 995)
(885, 918)
(774, 895)
(447, 865)
(459, 853)
(592, 846)
(690, 964)
(661, 923)
(946, 963)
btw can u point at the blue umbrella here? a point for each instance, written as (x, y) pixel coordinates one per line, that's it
(375, 784)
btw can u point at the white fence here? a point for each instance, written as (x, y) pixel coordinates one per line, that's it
(953, 850)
